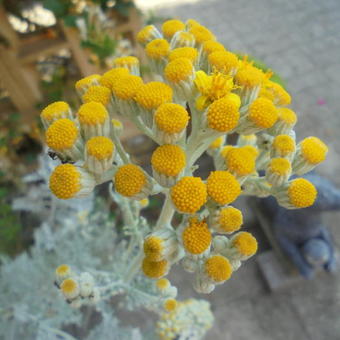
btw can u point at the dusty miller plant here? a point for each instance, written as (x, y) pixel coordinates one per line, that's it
(200, 94)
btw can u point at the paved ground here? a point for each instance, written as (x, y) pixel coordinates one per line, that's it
(300, 40)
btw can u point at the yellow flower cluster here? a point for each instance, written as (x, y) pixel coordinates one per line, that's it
(201, 94)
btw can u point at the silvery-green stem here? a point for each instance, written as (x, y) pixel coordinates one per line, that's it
(166, 214)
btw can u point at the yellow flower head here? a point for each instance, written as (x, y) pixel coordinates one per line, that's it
(190, 53)
(170, 27)
(157, 49)
(185, 39)
(100, 147)
(211, 46)
(65, 181)
(62, 134)
(87, 82)
(212, 87)
(287, 116)
(162, 284)
(196, 237)
(217, 143)
(218, 268)
(223, 114)
(201, 33)
(245, 243)
(313, 150)
(192, 23)
(281, 96)
(280, 166)
(223, 61)
(284, 145)
(153, 248)
(241, 161)
(127, 87)
(230, 219)
(146, 34)
(129, 180)
(170, 305)
(249, 76)
(127, 62)
(151, 95)
(92, 113)
(179, 69)
(55, 111)
(171, 118)
(189, 194)
(69, 288)
(301, 193)
(63, 270)
(112, 76)
(263, 113)
(97, 93)
(154, 270)
(168, 160)
(222, 187)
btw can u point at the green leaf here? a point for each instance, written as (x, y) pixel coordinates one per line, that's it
(70, 20)
(58, 7)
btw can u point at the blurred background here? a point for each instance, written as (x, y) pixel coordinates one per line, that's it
(45, 46)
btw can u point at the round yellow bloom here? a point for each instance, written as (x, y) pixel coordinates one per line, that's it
(284, 144)
(100, 147)
(151, 95)
(171, 118)
(97, 93)
(54, 111)
(192, 23)
(249, 76)
(211, 46)
(62, 134)
(287, 115)
(223, 187)
(230, 219)
(223, 114)
(127, 61)
(302, 193)
(157, 49)
(129, 180)
(281, 95)
(190, 53)
(223, 61)
(313, 150)
(65, 181)
(162, 284)
(168, 160)
(263, 113)
(196, 237)
(241, 161)
(185, 38)
(92, 113)
(70, 288)
(170, 305)
(154, 270)
(245, 243)
(153, 248)
(63, 270)
(127, 87)
(217, 143)
(189, 194)
(145, 34)
(201, 33)
(170, 27)
(218, 268)
(179, 69)
(280, 166)
(112, 76)
(86, 82)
